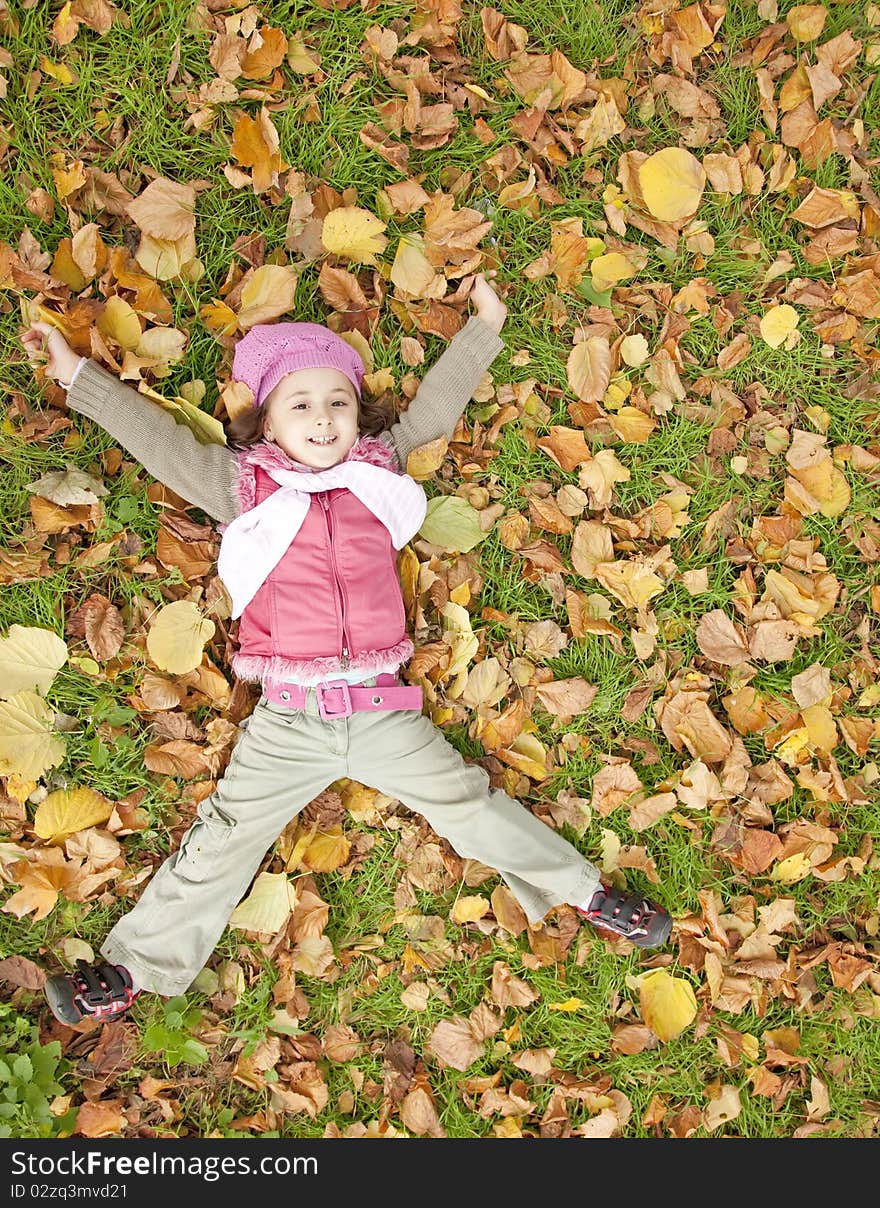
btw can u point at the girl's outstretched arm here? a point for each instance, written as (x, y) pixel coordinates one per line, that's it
(448, 386)
(204, 475)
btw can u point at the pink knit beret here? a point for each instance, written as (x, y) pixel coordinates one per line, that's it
(270, 350)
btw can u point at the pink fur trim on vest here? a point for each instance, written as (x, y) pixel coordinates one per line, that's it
(257, 668)
(266, 454)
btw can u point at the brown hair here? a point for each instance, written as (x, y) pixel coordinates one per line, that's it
(374, 416)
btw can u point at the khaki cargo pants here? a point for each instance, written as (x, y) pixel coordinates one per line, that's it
(282, 761)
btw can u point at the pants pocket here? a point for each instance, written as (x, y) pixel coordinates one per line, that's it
(203, 844)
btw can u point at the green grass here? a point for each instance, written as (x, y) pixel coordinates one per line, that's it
(121, 115)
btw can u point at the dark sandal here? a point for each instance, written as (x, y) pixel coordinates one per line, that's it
(102, 991)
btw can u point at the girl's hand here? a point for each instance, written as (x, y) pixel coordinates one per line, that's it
(42, 340)
(489, 306)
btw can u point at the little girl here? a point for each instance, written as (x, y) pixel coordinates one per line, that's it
(313, 507)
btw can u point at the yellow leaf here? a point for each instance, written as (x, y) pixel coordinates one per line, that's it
(165, 259)
(327, 851)
(777, 324)
(528, 755)
(569, 1005)
(820, 727)
(424, 460)
(413, 272)
(120, 323)
(672, 183)
(631, 582)
(354, 234)
(59, 71)
(30, 658)
(669, 1004)
(609, 269)
(219, 318)
(27, 745)
(269, 293)
(19, 790)
(177, 637)
(69, 810)
(634, 350)
(806, 21)
(267, 906)
(467, 910)
(792, 868)
(632, 425)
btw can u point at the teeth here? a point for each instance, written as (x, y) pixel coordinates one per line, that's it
(322, 440)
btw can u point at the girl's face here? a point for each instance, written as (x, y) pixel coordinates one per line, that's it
(306, 409)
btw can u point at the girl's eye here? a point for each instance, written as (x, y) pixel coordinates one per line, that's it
(341, 401)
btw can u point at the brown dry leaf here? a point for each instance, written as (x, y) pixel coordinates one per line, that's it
(566, 446)
(613, 785)
(632, 1038)
(645, 813)
(588, 368)
(508, 912)
(508, 990)
(419, 1114)
(719, 639)
(567, 698)
(104, 1119)
(41, 881)
(453, 1043)
(165, 210)
(266, 51)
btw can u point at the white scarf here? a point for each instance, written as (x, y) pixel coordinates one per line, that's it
(256, 541)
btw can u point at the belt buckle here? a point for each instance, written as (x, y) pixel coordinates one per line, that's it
(334, 685)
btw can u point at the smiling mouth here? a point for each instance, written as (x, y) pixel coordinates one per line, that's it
(321, 440)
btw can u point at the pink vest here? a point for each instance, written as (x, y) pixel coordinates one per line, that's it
(334, 600)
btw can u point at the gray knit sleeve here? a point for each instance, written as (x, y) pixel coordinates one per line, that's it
(204, 475)
(447, 388)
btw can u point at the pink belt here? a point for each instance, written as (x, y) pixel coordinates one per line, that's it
(338, 698)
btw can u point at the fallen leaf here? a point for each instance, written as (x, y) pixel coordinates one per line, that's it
(668, 1003)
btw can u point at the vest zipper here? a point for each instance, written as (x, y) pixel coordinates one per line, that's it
(325, 504)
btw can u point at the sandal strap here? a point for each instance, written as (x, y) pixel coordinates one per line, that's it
(91, 976)
(622, 910)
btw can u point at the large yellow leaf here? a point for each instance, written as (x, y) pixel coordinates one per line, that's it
(69, 810)
(632, 425)
(589, 368)
(269, 293)
(27, 745)
(413, 272)
(777, 324)
(467, 910)
(633, 583)
(607, 270)
(177, 637)
(166, 259)
(672, 183)
(806, 21)
(120, 323)
(668, 1003)
(30, 658)
(267, 906)
(327, 851)
(355, 234)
